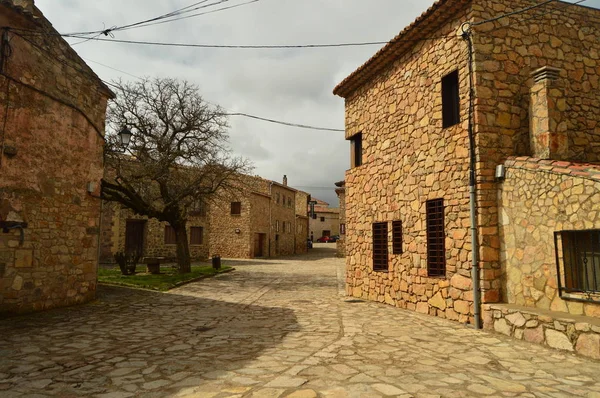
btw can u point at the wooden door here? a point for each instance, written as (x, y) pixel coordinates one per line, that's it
(134, 236)
(259, 245)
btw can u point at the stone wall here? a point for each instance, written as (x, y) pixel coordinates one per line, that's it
(231, 235)
(283, 240)
(556, 330)
(537, 198)
(408, 158)
(154, 235)
(52, 149)
(341, 243)
(302, 222)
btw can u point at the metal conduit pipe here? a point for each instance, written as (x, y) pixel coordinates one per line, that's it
(475, 274)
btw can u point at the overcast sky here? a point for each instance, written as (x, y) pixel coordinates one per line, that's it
(293, 85)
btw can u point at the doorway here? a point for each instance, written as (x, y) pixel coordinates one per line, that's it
(259, 245)
(134, 236)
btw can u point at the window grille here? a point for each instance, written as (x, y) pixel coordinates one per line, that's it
(380, 246)
(436, 238)
(397, 237)
(578, 264)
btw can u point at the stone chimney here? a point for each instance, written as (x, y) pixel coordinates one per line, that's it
(27, 5)
(547, 122)
(285, 180)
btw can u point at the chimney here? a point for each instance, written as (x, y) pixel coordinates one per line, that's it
(547, 121)
(27, 5)
(285, 180)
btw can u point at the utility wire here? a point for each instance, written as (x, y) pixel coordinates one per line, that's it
(302, 126)
(274, 46)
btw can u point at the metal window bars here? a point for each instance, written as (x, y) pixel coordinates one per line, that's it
(578, 264)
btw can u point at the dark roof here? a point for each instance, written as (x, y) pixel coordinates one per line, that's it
(424, 26)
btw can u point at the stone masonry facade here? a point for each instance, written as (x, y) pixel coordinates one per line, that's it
(50, 152)
(248, 222)
(326, 222)
(535, 95)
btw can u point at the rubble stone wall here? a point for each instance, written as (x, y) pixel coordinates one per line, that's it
(537, 198)
(52, 149)
(408, 158)
(283, 241)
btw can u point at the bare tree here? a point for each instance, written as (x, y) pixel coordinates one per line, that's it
(178, 154)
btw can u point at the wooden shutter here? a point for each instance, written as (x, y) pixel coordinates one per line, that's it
(436, 238)
(170, 237)
(236, 208)
(196, 235)
(380, 246)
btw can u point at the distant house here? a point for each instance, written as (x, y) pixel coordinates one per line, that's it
(52, 113)
(341, 193)
(535, 112)
(259, 220)
(326, 220)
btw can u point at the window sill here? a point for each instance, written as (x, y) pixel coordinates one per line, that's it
(382, 271)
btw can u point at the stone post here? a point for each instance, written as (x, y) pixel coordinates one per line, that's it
(548, 124)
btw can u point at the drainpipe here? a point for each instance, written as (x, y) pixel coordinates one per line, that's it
(270, 215)
(475, 276)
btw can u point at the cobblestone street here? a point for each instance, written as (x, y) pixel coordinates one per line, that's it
(274, 328)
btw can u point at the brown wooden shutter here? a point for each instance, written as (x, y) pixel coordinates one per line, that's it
(196, 235)
(236, 208)
(170, 236)
(380, 246)
(436, 238)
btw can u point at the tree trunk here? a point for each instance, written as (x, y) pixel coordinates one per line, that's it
(183, 249)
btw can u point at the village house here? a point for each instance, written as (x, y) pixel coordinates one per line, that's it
(325, 220)
(259, 220)
(52, 113)
(535, 113)
(341, 193)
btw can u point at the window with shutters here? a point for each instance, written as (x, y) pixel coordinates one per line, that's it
(380, 246)
(196, 236)
(170, 236)
(397, 237)
(236, 208)
(436, 238)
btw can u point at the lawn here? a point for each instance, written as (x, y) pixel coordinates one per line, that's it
(167, 279)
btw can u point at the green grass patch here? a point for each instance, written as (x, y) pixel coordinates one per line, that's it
(167, 279)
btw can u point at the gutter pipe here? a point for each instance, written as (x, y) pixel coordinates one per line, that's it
(475, 272)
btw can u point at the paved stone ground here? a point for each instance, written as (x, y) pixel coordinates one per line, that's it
(279, 328)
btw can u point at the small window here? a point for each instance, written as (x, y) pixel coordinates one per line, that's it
(380, 246)
(450, 100)
(342, 229)
(356, 146)
(290, 203)
(236, 208)
(198, 208)
(196, 235)
(170, 236)
(322, 219)
(397, 237)
(283, 200)
(278, 197)
(277, 226)
(578, 255)
(436, 238)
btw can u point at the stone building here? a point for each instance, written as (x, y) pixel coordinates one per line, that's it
(341, 193)
(326, 221)
(535, 110)
(52, 111)
(258, 220)
(302, 221)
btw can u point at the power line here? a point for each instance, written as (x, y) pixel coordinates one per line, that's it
(251, 46)
(523, 10)
(302, 126)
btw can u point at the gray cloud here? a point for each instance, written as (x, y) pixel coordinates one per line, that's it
(291, 85)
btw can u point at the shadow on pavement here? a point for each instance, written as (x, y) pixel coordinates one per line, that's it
(129, 338)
